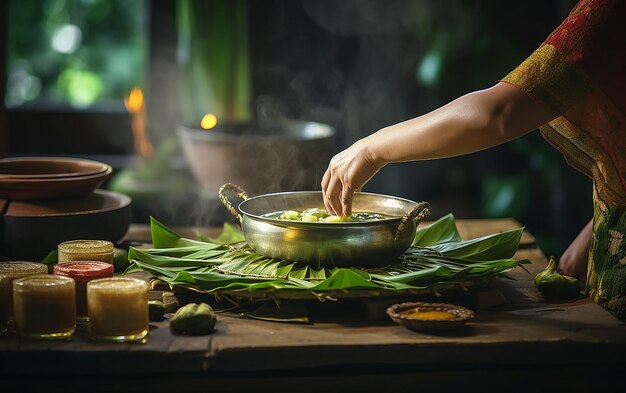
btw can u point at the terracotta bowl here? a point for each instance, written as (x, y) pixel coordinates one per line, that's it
(459, 315)
(30, 230)
(43, 167)
(289, 155)
(36, 186)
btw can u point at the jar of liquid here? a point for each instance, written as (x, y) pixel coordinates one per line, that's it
(82, 273)
(85, 250)
(10, 271)
(118, 309)
(44, 306)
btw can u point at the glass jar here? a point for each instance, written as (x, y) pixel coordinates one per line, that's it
(86, 250)
(5, 303)
(44, 306)
(118, 309)
(10, 271)
(82, 273)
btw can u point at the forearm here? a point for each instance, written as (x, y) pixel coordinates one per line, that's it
(471, 123)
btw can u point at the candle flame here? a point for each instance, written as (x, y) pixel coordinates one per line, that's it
(135, 105)
(208, 121)
(134, 101)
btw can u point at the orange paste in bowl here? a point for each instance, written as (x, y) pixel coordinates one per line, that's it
(428, 314)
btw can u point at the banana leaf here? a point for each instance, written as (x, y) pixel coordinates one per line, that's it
(230, 234)
(438, 257)
(440, 232)
(483, 248)
(163, 237)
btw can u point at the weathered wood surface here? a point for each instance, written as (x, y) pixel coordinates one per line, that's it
(524, 333)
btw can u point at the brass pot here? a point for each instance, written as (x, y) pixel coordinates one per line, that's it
(340, 244)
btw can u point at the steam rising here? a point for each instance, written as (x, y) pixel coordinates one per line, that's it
(349, 81)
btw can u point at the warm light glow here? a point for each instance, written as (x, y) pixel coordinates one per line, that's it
(208, 121)
(134, 101)
(139, 122)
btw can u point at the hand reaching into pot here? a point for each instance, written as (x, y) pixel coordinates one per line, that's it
(347, 172)
(476, 121)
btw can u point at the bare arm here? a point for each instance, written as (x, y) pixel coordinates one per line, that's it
(473, 122)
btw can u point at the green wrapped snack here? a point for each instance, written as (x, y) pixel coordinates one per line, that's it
(156, 310)
(120, 260)
(193, 319)
(554, 285)
(548, 271)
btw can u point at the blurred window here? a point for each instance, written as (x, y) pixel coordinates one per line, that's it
(81, 54)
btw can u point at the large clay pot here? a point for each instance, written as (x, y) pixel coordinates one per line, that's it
(288, 157)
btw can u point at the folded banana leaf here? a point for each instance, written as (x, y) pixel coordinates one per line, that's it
(438, 257)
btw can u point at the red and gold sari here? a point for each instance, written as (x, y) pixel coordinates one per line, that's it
(580, 71)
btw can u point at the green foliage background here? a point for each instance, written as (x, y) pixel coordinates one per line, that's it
(110, 59)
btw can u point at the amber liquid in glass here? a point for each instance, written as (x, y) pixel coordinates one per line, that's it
(118, 309)
(44, 306)
(10, 271)
(6, 298)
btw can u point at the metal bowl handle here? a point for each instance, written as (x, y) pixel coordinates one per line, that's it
(240, 192)
(418, 213)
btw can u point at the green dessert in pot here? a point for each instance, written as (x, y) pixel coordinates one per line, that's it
(320, 215)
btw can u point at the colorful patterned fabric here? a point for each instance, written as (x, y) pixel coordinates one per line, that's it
(606, 276)
(580, 72)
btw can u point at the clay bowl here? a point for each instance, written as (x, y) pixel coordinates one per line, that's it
(285, 156)
(45, 168)
(30, 230)
(458, 315)
(31, 188)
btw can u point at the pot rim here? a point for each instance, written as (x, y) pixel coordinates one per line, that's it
(276, 221)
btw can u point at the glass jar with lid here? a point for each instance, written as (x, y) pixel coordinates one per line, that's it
(44, 306)
(82, 273)
(86, 250)
(118, 309)
(10, 271)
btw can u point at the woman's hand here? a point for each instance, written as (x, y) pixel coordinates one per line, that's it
(347, 172)
(476, 121)
(575, 259)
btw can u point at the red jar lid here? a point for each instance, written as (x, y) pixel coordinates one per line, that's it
(85, 270)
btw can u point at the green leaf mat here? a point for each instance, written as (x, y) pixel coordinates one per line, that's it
(226, 264)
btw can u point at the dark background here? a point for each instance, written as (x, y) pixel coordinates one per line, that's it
(358, 66)
(354, 64)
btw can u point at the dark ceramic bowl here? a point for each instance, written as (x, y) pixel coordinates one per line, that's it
(45, 168)
(460, 315)
(30, 230)
(51, 187)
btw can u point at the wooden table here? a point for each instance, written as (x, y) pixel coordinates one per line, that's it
(523, 344)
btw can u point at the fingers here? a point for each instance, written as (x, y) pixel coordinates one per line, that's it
(325, 183)
(332, 198)
(347, 194)
(337, 196)
(347, 172)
